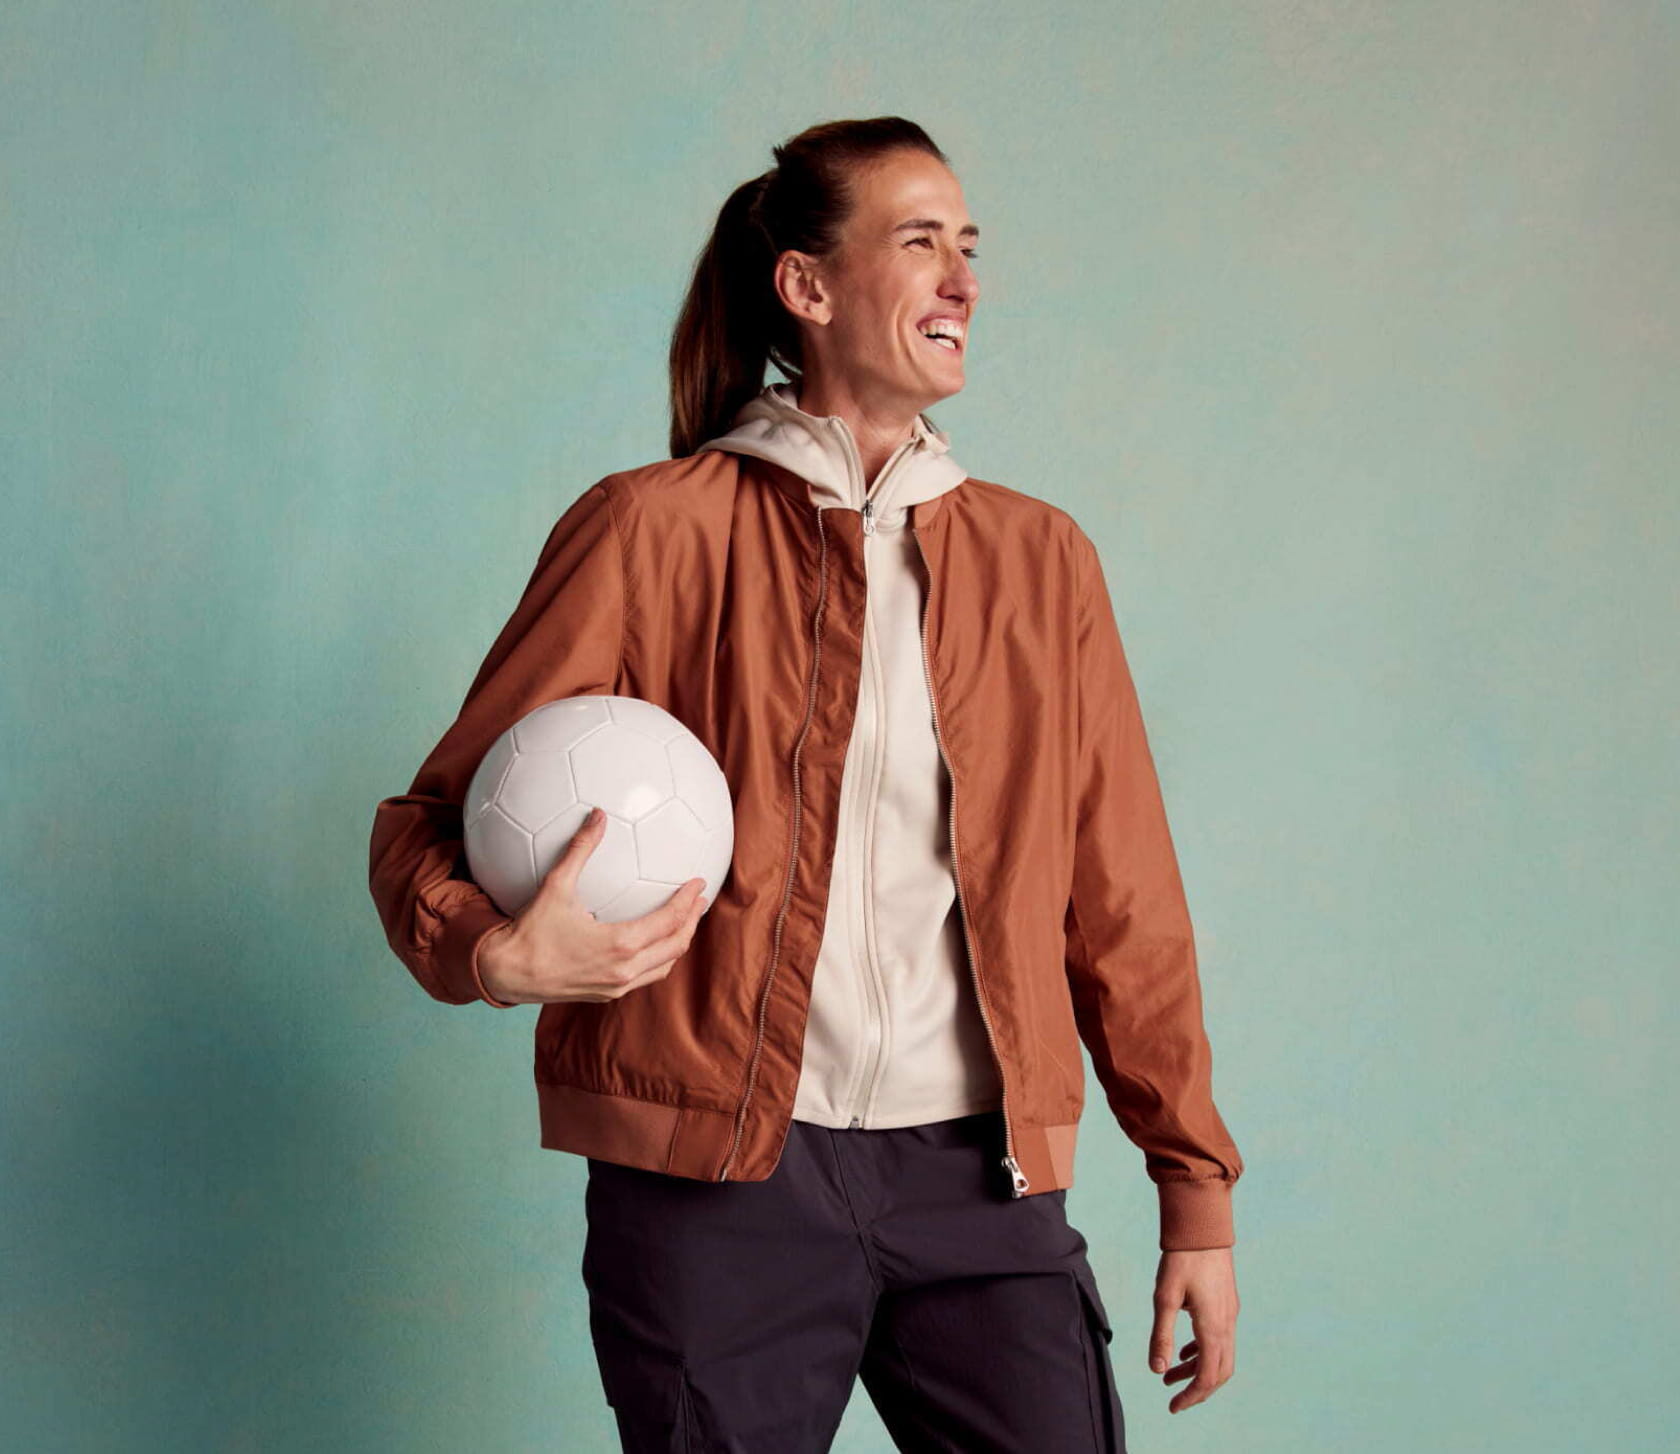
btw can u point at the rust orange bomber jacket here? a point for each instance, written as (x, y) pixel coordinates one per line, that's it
(711, 585)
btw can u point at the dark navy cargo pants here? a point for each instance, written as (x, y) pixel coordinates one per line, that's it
(735, 1316)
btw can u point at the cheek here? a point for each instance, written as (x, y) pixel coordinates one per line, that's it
(884, 328)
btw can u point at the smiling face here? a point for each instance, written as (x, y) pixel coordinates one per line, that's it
(902, 268)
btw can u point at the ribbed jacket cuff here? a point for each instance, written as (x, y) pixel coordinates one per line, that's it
(455, 951)
(1196, 1214)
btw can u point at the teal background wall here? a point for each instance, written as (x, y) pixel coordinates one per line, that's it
(1348, 330)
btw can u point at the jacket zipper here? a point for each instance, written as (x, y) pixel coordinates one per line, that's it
(793, 855)
(1018, 1183)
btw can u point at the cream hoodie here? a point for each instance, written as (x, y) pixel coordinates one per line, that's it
(894, 1036)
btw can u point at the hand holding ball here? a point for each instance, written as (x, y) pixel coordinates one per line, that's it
(668, 825)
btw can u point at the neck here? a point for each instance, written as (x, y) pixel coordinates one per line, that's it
(878, 429)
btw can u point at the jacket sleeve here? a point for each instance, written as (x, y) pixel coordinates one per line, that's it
(564, 639)
(1131, 957)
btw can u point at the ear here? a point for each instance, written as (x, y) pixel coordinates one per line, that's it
(800, 286)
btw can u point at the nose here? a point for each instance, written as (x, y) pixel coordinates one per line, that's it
(960, 282)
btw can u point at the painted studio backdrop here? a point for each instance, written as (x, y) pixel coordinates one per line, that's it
(1348, 333)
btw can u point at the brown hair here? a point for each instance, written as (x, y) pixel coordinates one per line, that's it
(732, 321)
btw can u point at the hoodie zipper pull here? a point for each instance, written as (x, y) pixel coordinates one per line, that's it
(868, 517)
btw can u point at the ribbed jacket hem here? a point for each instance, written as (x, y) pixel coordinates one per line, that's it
(693, 1141)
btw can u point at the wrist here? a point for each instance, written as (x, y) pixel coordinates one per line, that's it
(495, 965)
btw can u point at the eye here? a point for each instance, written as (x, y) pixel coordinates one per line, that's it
(968, 252)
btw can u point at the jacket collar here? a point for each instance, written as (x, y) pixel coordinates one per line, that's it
(821, 451)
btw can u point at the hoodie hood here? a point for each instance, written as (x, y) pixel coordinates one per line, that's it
(823, 453)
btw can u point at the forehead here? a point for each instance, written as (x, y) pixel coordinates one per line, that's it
(908, 187)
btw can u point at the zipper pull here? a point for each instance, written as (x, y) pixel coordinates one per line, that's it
(868, 517)
(1018, 1183)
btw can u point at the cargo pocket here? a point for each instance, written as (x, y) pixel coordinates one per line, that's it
(652, 1402)
(643, 1368)
(1093, 1301)
(1108, 1423)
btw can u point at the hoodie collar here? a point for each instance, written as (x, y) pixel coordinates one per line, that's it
(822, 451)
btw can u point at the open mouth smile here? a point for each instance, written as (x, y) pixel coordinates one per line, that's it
(944, 333)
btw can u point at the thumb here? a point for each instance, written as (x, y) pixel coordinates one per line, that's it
(563, 875)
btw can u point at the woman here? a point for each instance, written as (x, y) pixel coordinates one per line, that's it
(830, 1123)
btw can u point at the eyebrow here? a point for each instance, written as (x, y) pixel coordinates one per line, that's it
(933, 224)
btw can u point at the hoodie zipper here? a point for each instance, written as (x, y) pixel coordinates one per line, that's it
(1018, 1183)
(871, 1080)
(793, 854)
(837, 426)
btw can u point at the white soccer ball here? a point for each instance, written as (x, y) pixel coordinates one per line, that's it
(670, 816)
